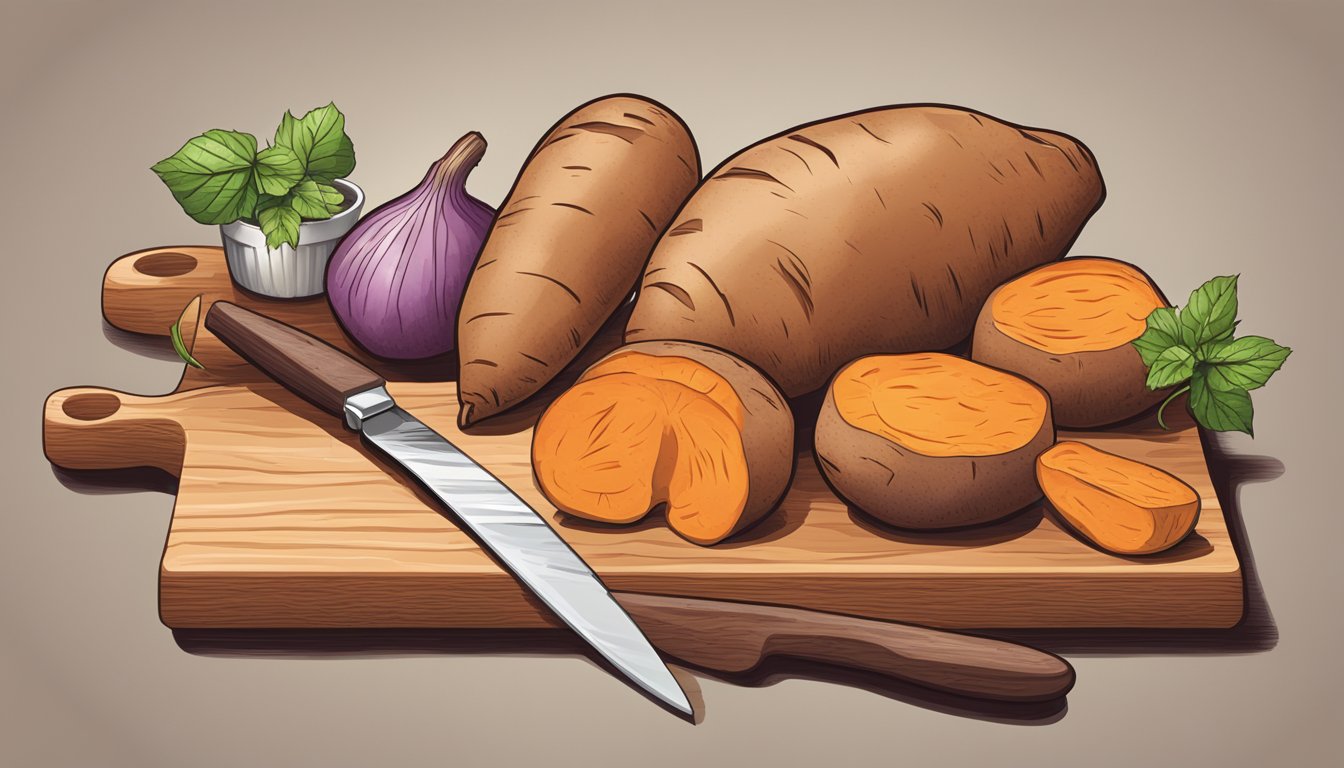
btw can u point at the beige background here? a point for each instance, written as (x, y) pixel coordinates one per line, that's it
(1217, 127)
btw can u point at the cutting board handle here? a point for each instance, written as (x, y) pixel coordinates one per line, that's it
(736, 637)
(304, 363)
(94, 428)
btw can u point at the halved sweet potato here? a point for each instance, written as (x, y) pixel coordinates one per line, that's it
(1123, 506)
(932, 440)
(1068, 326)
(667, 423)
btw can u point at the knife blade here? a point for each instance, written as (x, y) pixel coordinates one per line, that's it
(510, 529)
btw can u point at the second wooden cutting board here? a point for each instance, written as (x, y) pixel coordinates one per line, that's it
(284, 520)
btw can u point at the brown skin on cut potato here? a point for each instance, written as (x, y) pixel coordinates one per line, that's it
(1068, 326)
(667, 423)
(568, 246)
(876, 232)
(1122, 506)
(930, 441)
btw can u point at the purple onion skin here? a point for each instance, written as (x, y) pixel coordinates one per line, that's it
(396, 280)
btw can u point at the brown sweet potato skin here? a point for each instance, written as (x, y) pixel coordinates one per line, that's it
(877, 232)
(568, 245)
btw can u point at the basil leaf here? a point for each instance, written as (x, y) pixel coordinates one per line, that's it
(319, 141)
(1246, 363)
(1172, 367)
(315, 200)
(280, 223)
(1211, 313)
(211, 176)
(1224, 410)
(1163, 332)
(278, 169)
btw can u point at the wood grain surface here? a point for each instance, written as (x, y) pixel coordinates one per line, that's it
(284, 520)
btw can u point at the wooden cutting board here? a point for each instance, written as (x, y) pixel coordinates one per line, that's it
(284, 520)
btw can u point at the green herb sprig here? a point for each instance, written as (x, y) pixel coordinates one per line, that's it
(1193, 349)
(219, 177)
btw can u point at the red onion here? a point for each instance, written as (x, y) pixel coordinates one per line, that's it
(396, 280)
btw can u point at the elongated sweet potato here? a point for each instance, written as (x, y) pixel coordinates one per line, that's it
(876, 232)
(1123, 506)
(1068, 326)
(568, 246)
(667, 423)
(931, 440)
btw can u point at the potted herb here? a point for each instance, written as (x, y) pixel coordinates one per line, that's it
(282, 209)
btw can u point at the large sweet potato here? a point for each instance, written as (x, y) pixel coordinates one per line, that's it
(877, 232)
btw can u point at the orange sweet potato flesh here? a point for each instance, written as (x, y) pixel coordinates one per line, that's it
(643, 429)
(1076, 305)
(1123, 506)
(940, 405)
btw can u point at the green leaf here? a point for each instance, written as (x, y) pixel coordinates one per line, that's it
(315, 200)
(278, 169)
(319, 141)
(1223, 410)
(1246, 363)
(280, 223)
(1163, 332)
(211, 176)
(1211, 313)
(180, 346)
(1172, 367)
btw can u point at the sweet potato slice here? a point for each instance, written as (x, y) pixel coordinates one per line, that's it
(1123, 506)
(667, 423)
(932, 440)
(1068, 326)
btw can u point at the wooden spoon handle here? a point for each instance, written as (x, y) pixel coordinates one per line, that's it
(735, 637)
(305, 364)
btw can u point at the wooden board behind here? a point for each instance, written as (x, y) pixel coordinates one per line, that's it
(283, 519)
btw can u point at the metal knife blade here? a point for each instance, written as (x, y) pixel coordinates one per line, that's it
(523, 541)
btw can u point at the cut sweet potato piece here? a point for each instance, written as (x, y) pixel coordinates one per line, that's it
(667, 423)
(1068, 326)
(932, 440)
(1123, 506)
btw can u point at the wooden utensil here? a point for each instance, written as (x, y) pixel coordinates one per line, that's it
(735, 637)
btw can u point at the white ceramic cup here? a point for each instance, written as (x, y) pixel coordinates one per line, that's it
(284, 272)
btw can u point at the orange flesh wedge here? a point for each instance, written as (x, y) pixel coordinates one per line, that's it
(1076, 305)
(1121, 505)
(940, 405)
(642, 430)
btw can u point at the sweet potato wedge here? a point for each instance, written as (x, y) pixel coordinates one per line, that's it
(1123, 506)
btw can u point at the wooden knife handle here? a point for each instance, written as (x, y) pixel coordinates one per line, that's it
(735, 637)
(311, 367)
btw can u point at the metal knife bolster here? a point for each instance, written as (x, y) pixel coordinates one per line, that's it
(365, 405)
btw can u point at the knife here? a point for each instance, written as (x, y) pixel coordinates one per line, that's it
(502, 522)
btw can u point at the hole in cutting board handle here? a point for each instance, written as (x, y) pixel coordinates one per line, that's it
(165, 264)
(91, 406)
